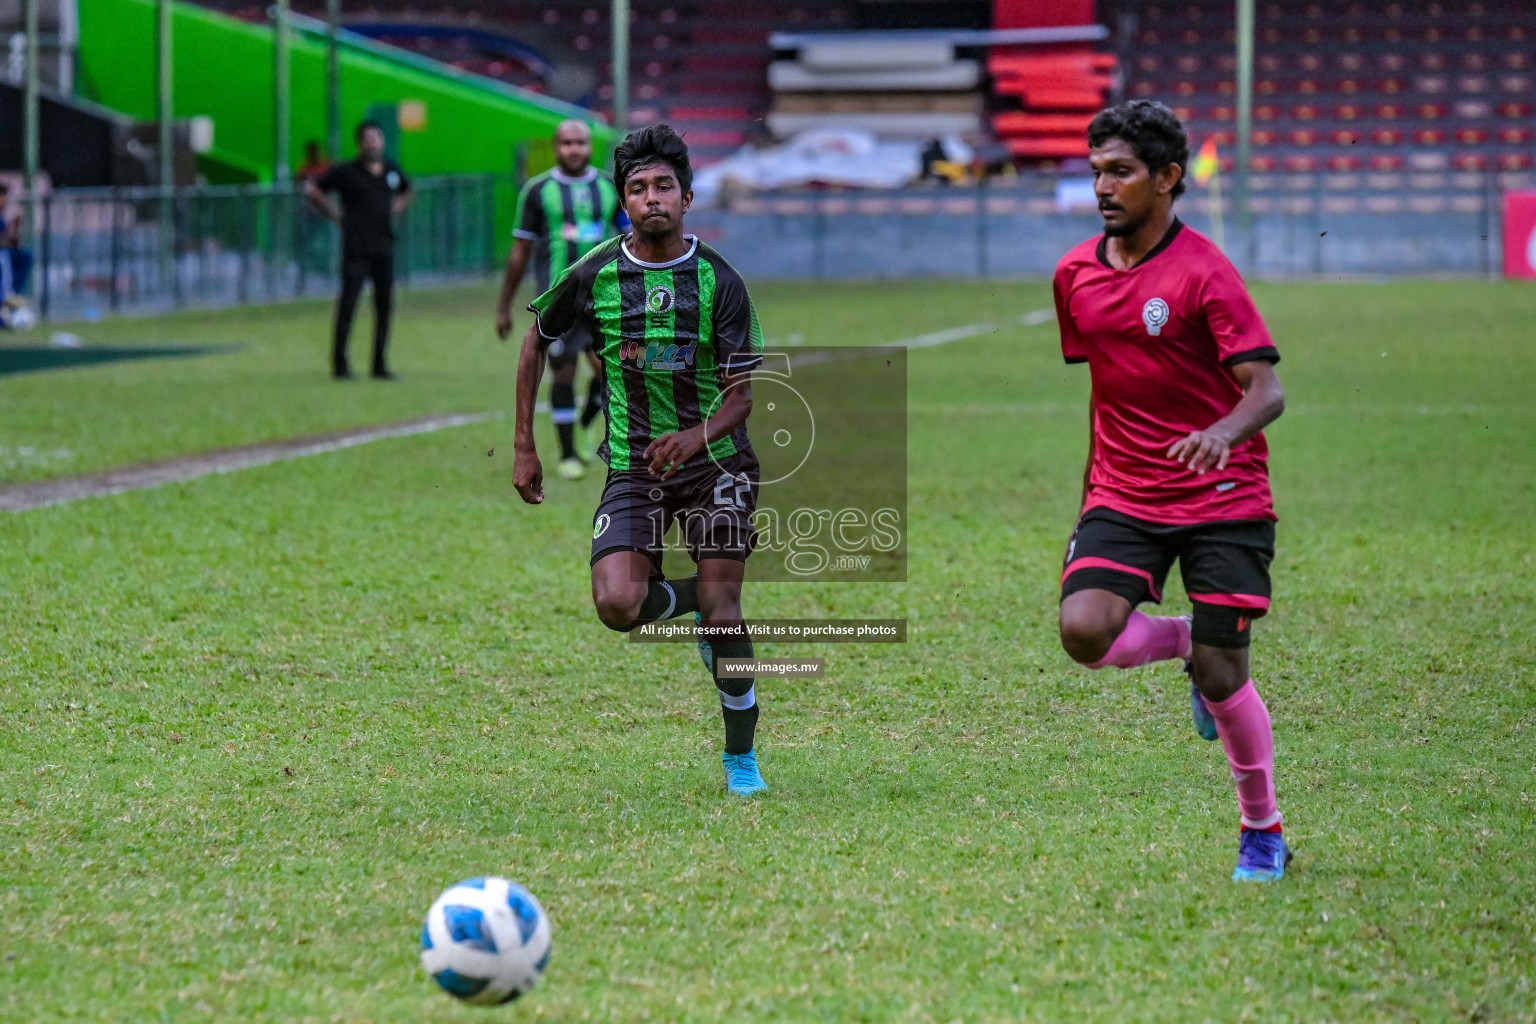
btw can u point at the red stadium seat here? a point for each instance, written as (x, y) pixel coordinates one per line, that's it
(1389, 111)
(1021, 122)
(1264, 113)
(1304, 113)
(1469, 162)
(1516, 161)
(1298, 164)
(1261, 163)
(1302, 137)
(1433, 111)
(1386, 162)
(1515, 136)
(1471, 136)
(1429, 137)
(1263, 138)
(1052, 149)
(1346, 113)
(1344, 138)
(1386, 137)
(1343, 163)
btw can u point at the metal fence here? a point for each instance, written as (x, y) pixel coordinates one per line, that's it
(100, 251)
(1303, 225)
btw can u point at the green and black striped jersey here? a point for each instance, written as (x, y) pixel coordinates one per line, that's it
(664, 332)
(565, 218)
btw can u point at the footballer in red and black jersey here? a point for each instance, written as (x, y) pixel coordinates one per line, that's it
(1160, 339)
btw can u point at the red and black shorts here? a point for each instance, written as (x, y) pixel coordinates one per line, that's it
(712, 500)
(1225, 566)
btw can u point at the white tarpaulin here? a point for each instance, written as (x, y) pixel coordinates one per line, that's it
(828, 156)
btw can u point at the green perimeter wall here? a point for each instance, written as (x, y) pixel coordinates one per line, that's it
(222, 69)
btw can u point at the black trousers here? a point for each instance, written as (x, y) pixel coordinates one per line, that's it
(355, 269)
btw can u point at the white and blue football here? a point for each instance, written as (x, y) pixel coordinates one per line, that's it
(486, 941)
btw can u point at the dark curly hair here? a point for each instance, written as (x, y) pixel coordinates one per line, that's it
(656, 144)
(1154, 133)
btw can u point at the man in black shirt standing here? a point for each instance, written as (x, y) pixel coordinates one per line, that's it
(373, 191)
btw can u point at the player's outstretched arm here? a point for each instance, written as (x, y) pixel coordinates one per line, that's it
(669, 451)
(1262, 403)
(527, 473)
(517, 265)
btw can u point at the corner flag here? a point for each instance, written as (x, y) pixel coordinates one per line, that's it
(1206, 164)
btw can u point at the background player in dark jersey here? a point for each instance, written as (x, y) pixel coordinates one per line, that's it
(562, 215)
(1183, 383)
(678, 338)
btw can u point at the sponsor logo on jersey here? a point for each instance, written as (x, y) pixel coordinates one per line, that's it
(1154, 314)
(658, 355)
(600, 525)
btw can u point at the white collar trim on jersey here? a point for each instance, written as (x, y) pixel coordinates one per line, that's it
(693, 244)
(565, 179)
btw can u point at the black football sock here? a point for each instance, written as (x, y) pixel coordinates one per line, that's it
(738, 698)
(667, 599)
(562, 409)
(594, 406)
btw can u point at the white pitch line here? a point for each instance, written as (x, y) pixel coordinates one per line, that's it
(45, 493)
(1031, 319)
(944, 337)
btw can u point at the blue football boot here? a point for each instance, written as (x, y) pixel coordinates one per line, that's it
(1205, 722)
(706, 649)
(1261, 857)
(741, 775)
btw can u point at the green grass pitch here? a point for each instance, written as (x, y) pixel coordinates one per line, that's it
(250, 725)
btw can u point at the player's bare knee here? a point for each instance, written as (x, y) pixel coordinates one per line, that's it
(617, 605)
(1087, 631)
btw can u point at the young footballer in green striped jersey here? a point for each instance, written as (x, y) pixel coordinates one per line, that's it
(678, 338)
(562, 215)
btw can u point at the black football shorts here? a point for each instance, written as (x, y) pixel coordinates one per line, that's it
(1224, 564)
(713, 501)
(566, 349)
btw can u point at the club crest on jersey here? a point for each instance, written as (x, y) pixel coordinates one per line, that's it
(658, 300)
(1154, 314)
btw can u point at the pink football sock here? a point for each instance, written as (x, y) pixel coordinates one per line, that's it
(1242, 721)
(1147, 638)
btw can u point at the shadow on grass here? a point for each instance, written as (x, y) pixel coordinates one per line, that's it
(40, 357)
